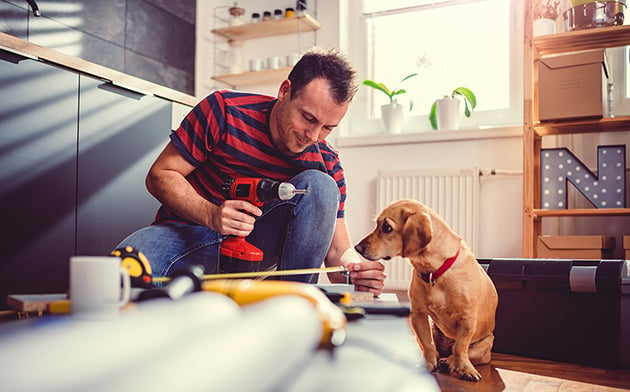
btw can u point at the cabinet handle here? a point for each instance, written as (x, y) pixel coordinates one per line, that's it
(35, 8)
(13, 56)
(124, 91)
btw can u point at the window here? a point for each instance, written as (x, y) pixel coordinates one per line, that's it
(471, 43)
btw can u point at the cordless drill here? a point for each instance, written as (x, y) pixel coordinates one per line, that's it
(257, 191)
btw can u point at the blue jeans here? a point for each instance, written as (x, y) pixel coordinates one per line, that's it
(292, 233)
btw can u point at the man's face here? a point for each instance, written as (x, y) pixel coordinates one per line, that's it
(306, 119)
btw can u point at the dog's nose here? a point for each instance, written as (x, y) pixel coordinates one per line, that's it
(360, 247)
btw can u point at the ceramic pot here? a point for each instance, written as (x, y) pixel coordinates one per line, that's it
(544, 27)
(392, 114)
(447, 112)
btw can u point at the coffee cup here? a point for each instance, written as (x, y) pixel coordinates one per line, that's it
(255, 65)
(274, 62)
(99, 287)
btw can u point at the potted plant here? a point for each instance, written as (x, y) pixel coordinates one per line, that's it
(392, 112)
(444, 112)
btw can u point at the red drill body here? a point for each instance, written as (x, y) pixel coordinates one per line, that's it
(257, 191)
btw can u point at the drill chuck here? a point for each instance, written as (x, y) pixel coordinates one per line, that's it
(286, 191)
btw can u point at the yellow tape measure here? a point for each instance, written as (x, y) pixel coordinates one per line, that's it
(244, 275)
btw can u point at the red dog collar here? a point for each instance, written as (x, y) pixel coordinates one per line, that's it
(431, 277)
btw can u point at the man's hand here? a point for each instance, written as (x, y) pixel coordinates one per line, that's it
(234, 217)
(367, 276)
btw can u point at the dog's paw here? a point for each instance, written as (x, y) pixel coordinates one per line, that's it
(467, 374)
(431, 363)
(464, 371)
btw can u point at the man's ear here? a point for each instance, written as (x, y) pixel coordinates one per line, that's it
(284, 91)
(416, 232)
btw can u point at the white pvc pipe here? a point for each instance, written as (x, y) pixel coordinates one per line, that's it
(272, 340)
(62, 353)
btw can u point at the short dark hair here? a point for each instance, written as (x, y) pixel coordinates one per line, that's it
(329, 64)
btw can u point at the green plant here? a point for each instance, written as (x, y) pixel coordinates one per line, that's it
(391, 93)
(470, 102)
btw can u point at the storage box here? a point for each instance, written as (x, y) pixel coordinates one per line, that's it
(575, 311)
(572, 86)
(626, 246)
(575, 247)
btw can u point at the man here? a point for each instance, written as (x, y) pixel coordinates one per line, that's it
(233, 134)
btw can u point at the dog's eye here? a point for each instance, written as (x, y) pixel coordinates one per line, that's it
(386, 228)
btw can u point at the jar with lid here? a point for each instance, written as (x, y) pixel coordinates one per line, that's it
(236, 13)
(235, 56)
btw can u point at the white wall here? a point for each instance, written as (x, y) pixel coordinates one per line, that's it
(501, 196)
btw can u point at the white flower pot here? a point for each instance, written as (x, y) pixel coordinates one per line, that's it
(544, 27)
(392, 115)
(447, 112)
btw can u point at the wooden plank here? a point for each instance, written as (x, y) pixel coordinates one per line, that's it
(33, 302)
(573, 41)
(257, 77)
(583, 212)
(606, 124)
(268, 28)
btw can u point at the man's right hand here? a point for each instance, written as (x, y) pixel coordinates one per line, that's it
(234, 217)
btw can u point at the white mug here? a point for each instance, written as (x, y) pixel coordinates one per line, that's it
(292, 59)
(274, 62)
(255, 65)
(96, 292)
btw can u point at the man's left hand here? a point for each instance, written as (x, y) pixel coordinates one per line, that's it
(367, 276)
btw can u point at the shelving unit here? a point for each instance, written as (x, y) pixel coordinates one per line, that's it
(534, 130)
(270, 28)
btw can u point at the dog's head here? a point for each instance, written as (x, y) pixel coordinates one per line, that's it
(402, 229)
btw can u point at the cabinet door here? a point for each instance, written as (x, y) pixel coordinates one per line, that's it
(119, 138)
(38, 144)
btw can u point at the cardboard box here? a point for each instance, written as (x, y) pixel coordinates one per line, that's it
(572, 86)
(575, 311)
(626, 245)
(575, 247)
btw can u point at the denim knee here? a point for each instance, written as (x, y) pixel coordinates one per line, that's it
(321, 189)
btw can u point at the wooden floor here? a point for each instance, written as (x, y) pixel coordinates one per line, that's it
(514, 373)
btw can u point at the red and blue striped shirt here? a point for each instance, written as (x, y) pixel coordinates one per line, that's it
(226, 135)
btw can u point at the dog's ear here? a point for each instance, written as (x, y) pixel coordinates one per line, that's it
(416, 232)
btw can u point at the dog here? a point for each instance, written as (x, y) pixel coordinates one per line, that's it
(453, 300)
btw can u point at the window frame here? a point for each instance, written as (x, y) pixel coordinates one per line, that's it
(361, 122)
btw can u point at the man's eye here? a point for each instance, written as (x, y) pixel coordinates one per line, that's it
(386, 228)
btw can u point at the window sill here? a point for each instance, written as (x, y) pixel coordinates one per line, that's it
(430, 137)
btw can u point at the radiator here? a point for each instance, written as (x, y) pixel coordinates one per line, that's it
(452, 193)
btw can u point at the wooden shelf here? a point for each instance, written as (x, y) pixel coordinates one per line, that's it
(268, 28)
(573, 41)
(534, 130)
(583, 212)
(607, 124)
(258, 77)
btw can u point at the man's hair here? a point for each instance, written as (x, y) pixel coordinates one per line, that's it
(329, 64)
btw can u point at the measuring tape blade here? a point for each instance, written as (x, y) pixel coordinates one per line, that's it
(257, 274)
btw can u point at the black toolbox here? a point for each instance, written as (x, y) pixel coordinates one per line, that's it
(575, 311)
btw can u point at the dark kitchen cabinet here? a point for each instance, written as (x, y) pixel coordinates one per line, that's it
(73, 158)
(119, 138)
(38, 154)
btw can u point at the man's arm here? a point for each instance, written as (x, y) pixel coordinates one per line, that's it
(167, 182)
(365, 275)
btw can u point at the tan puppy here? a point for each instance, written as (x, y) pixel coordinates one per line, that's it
(453, 301)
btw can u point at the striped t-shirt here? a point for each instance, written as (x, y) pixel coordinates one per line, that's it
(226, 135)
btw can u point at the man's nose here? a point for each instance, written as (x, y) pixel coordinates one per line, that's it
(313, 134)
